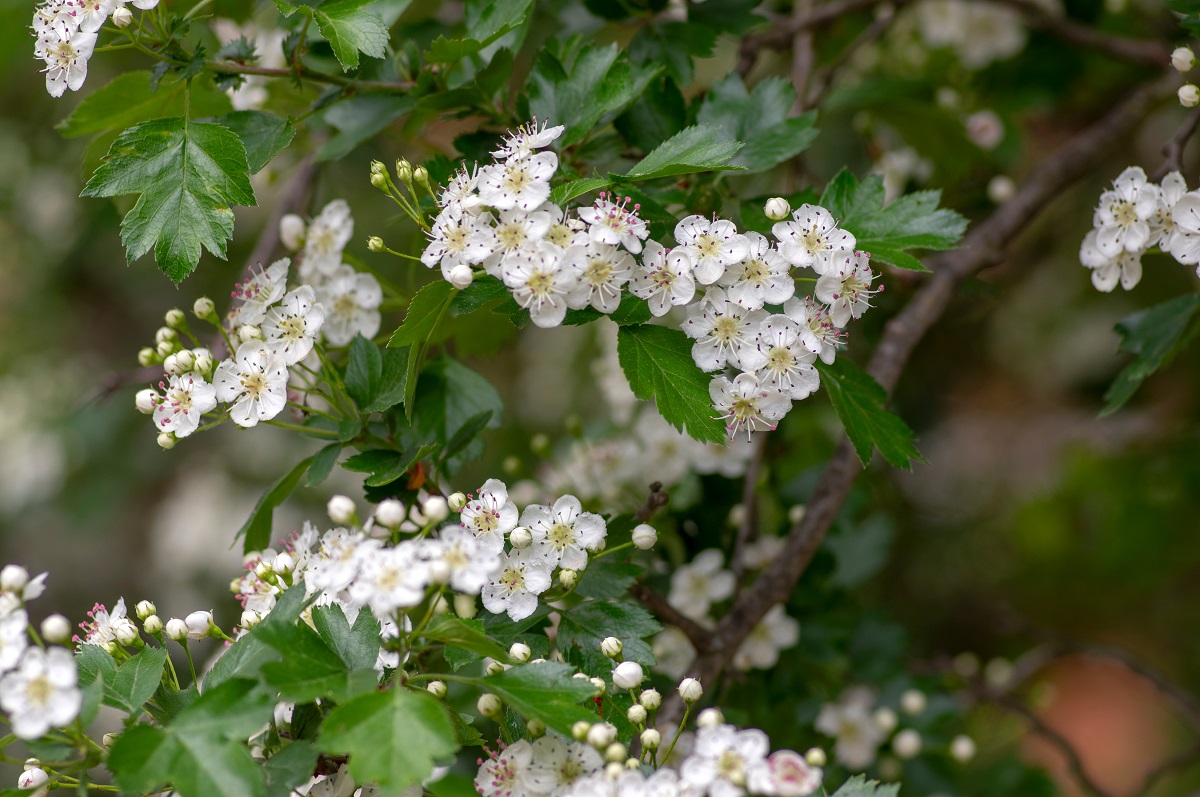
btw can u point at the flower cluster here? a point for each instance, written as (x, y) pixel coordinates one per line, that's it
(1136, 216)
(66, 32)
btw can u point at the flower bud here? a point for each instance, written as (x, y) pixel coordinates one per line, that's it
(165, 335)
(56, 629)
(166, 440)
(204, 309)
(611, 647)
(464, 606)
(32, 778)
(439, 573)
(146, 400)
(421, 176)
(389, 513)
(377, 167)
(710, 718)
(580, 730)
(250, 618)
(379, 181)
(494, 668)
(568, 578)
(628, 675)
(171, 365)
(249, 332)
(122, 17)
(32, 763)
(109, 739)
(435, 509)
(291, 231)
(147, 357)
(127, 634)
(164, 349)
(535, 728)
(488, 704)
(632, 763)
(912, 701)
(962, 749)
(601, 735)
(437, 689)
(342, 511)
(599, 684)
(616, 752)
(998, 672)
(636, 714)
(284, 564)
(1189, 95)
(13, 578)
(520, 651)
(777, 208)
(185, 361)
(690, 690)
(644, 536)
(650, 699)
(404, 171)
(520, 538)
(613, 770)
(176, 629)
(375, 244)
(885, 720)
(907, 743)
(796, 513)
(1183, 59)
(154, 625)
(461, 276)
(174, 318)
(1001, 188)
(816, 757)
(144, 609)
(199, 624)
(651, 739)
(456, 502)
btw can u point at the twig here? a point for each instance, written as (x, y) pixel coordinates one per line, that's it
(1147, 52)
(803, 57)
(1173, 149)
(657, 499)
(748, 528)
(878, 27)
(696, 633)
(359, 86)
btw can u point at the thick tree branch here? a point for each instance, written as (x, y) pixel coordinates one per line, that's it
(655, 602)
(1173, 149)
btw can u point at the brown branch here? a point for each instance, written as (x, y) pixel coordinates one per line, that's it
(803, 57)
(1185, 758)
(982, 247)
(657, 499)
(1173, 149)
(696, 633)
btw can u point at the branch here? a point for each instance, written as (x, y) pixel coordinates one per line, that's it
(1173, 149)
(301, 72)
(883, 21)
(697, 634)
(657, 499)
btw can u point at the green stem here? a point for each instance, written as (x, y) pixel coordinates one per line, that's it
(614, 549)
(687, 710)
(187, 651)
(295, 427)
(196, 8)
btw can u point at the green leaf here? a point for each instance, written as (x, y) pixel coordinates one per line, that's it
(358, 645)
(448, 396)
(585, 626)
(364, 370)
(608, 577)
(322, 464)
(859, 786)
(469, 636)
(424, 312)
(758, 118)
(290, 767)
(566, 192)
(631, 310)
(385, 465)
(141, 758)
(94, 662)
(657, 114)
(257, 528)
(130, 98)
(189, 174)
(1155, 335)
(309, 668)
(246, 657)
(350, 29)
(393, 379)
(544, 691)
(486, 22)
(393, 738)
(861, 551)
(263, 134)
(480, 293)
(860, 404)
(700, 148)
(467, 433)
(136, 680)
(658, 363)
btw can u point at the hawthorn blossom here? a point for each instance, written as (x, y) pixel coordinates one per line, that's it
(66, 60)
(724, 332)
(851, 721)
(471, 566)
(776, 631)
(564, 533)
(461, 193)
(565, 231)
(13, 639)
(41, 693)
(105, 626)
(723, 758)
(784, 773)
(326, 239)
(54, 20)
(846, 287)
(746, 404)
(663, 278)
(713, 246)
(1184, 242)
(523, 183)
(523, 576)
(700, 583)
(351, 302)
(1122, 219)
(522, 142)
(254, 382)
(615, 223)
(258, 292)
(784, 361)
(292, 325)
(338, 559)
(812, 238)
(92, 14)
(390, 579)
(600, 270)
(457, 238)
(507, 774)
(490, 516)
(1107, 271)
(514, 235)
(817, 330)
(559, 764)
(1162, 225)
(185, 398)
(540, 282)
(761, 277)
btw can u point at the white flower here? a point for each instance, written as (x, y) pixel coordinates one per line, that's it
(522, 183)
(785, 773)
(600, 270)
(724, 332)
(92, 14)
(666, 451)
(761, 277)
(713, 246)
(104, 626)
(1184, 243)
(457, 238)
(540, 282)
(41, 693)
(1125, 267)
(663, 278)
(775, 632)
(461, 193)
(254, 382)
(746, 404)
(523, 576)
(515, 234)
(565, 231)
(817, 329)
(850, 720)
(1122, 220)
(258, 292)
(390, 579)
(471, 565)
(846, 287)
(784, 361)
(66, 60)
(291, 231)
(490, 516)
(615, 223)
(338, 559)
(812, 238)
(673, 651)
(13, 639)
(53, 21)
(558, 764)
(290, 327)
(563, 534)
(1162, 226)
(527, 138)
(697, 585)
(508, 774)
(185, 398)
(729, 460)
(722, 759)
(325, 240)
(351, 301)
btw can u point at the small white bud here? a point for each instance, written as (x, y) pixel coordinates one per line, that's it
(494, 668)
(262, 570)
(601, 686)
(13, 578)
(962, 749)
(165, 335)
(464, 606)
(737, 514)
(601, 735)
(185, 361)
(816, 757)
(650, 699)
(628, 675)
(204, 360)
(796, 513)
(421, 175)
(461, 276)
(154, 625)
(176, 629)
(204, 309)
(1001, 188)
(146, 400)
(379, 181)
(147, 357)
(164, 349)
(32, 763)
(437, 689)
(248, 332)
(690, 690)
(456, 502)
(535, 728)
(777, 208)
(613, 770)
(404, 170)
(341, 510)
(389, 513)
(199, 624)
(907, 743)
(56, 629)
(611, 647)
(580, 730)
(488, 704)
(616, 752)
(710, 718)
(644, 536)
(912, 701)
(174, 318)
(375, 244)
(122, 17)
(109, 739)
(885, 719)
(291, 231)
(127, 633)
(520, 651)
(284, 564)
(520, 538)
(632, 763)
(441, 605)
(440, 572)
(435, 509)
(377, 167)
(1189, 95)
(171, 365)
(250, 618)
(32, 778)
(636, 714)
(567, 578)
(651, 739)
(144, 609)
(166, 440)
(1183, 59)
